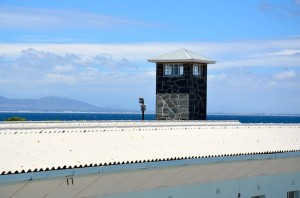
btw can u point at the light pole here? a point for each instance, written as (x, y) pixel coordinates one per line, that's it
(143, 107)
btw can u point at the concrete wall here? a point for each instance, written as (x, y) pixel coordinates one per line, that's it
(181, 97)
(274, 186)
(270, 177)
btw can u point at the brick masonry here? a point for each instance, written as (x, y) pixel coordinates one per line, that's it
(181, 97)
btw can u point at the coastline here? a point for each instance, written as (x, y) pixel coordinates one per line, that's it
(149, 113)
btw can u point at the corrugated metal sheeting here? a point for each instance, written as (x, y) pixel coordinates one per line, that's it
(37, 148)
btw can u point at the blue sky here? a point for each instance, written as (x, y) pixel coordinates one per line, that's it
(97, 51)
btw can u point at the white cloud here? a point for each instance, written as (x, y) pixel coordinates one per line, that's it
(103, 73)
(239, 79)
(32, 58)
(285, 75)
(263, 61)
(32, 66)
(244, 79)
(93, 60)
(279, 52)
(285, 52)
(97, 78)
(38, 18)
(243, 91)
(59, 78)
(63, 68)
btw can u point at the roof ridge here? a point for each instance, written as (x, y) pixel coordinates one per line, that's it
(186, 52)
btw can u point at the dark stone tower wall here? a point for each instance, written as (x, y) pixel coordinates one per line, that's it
(181, 97)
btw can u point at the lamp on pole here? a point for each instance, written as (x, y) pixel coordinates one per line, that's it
(143, 107)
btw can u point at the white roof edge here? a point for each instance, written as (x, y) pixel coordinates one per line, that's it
(180, 61)
(181, 55)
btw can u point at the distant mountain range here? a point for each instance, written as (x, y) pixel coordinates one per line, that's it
(50, 104)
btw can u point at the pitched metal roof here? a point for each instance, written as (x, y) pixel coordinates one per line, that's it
(183, 56)
(51, 148)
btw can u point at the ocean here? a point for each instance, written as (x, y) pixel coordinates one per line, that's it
(103, 116)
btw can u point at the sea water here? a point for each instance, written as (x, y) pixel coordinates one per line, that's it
(129, 116)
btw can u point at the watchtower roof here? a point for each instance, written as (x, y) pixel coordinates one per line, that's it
(183, 56)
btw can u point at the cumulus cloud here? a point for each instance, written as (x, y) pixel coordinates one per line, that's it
(44, 66)
(32, 58)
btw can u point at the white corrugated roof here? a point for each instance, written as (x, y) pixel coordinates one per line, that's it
(182, 55)
(29, 149)
(79, 124)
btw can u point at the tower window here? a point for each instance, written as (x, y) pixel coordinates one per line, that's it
(198, 70)
(173, 69)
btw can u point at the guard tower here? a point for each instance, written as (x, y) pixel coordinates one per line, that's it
(181, 85)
